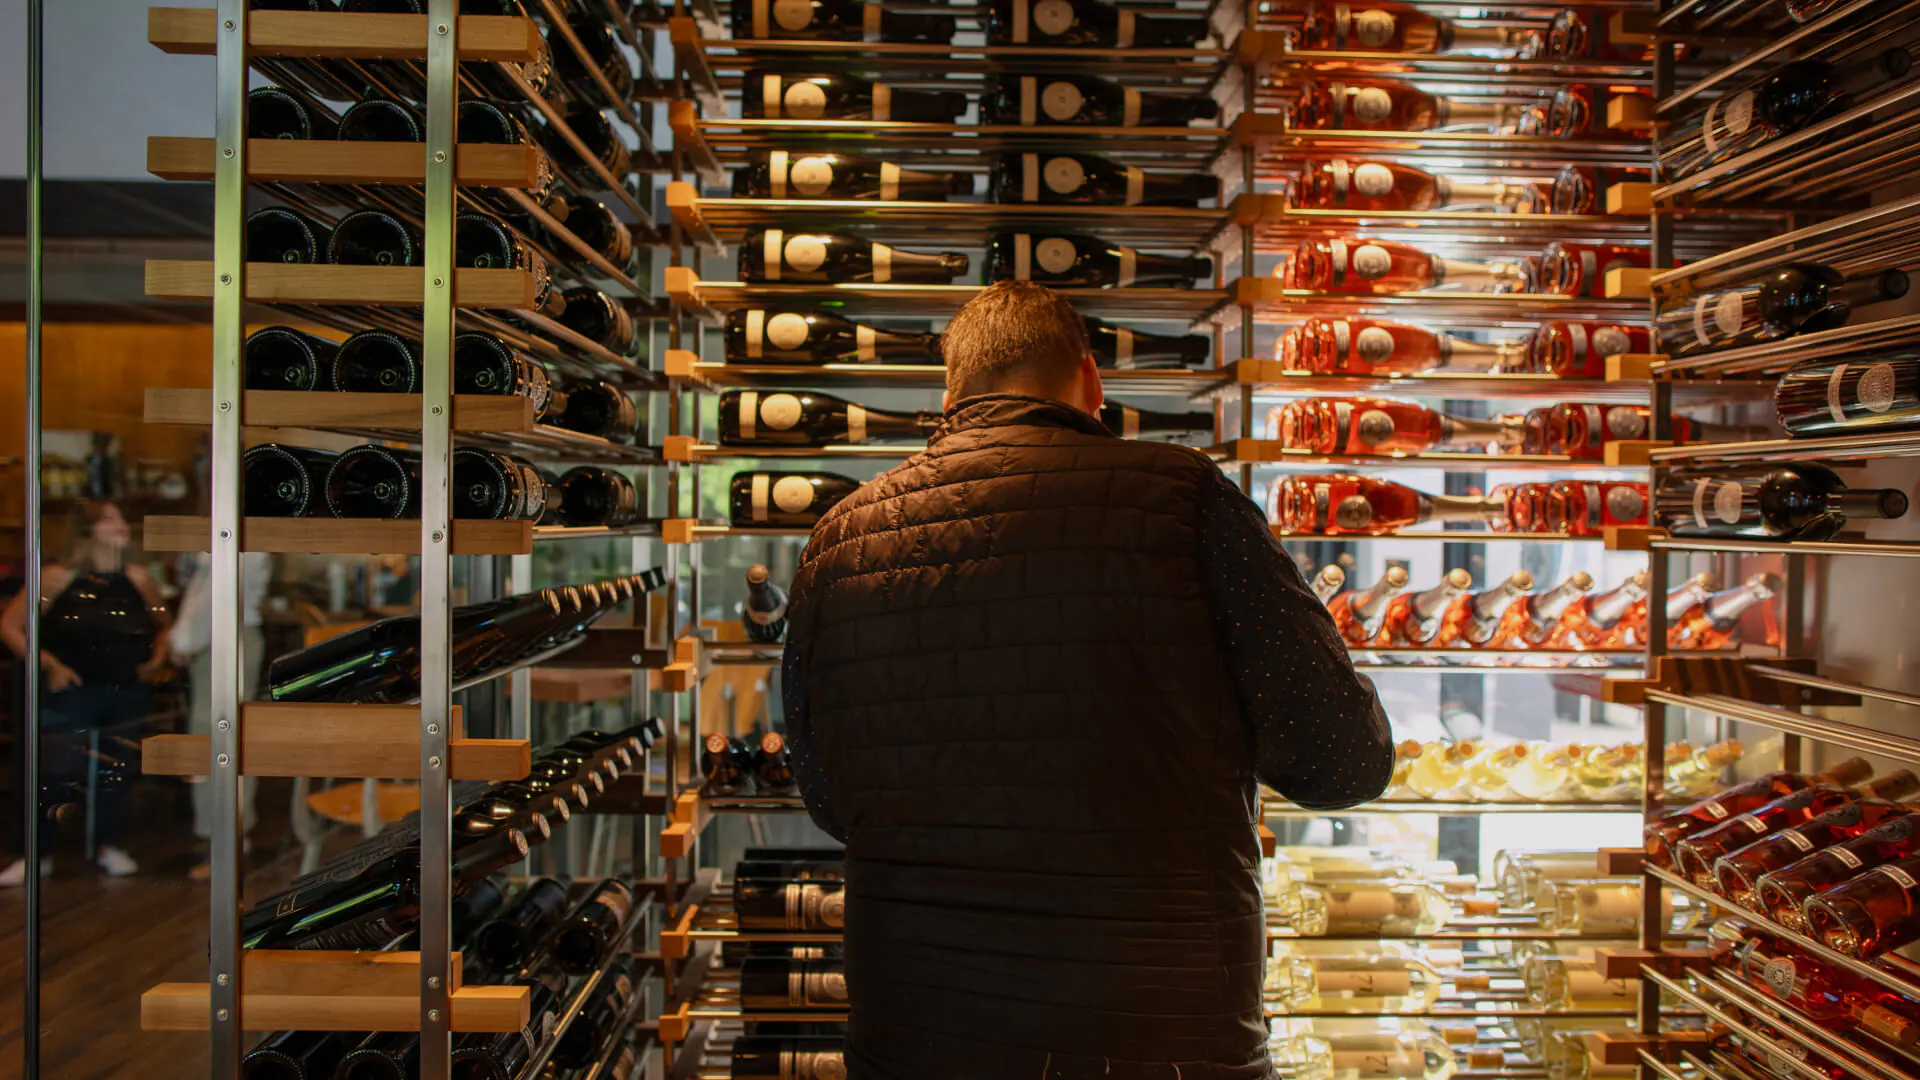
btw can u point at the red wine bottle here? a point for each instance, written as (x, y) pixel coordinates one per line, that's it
(589, 495)
(764, 612)
(811, 418)
(273, 113)
(282, 358)
(509, 941)
(590, 932)
(283, 481)
(600, 319)
(775, 984)
(382, 120)
(1870, 392)
(277, 234)
(373, 238)
(596, 408)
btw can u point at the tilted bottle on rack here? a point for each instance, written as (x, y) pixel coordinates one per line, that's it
(1608, 772)
(273, 113)
(1066, 261)
(836, 20)
(1714, 623)
(781, 174)
(1085, 101)
(784, 95)
(600, 229)
(1416, 620)
(1546, 773)
(811, 418)
(1476, 618)
(818, 337)
(1788, 98)
(1334, 503)
(1385, 105)
(806, 906)
(1091, 24)
(1783, 893)
(592, 929)
(1386, 909)
(1395, 1055)
(1831, 999)
(1368, 346)
(1487, 771)
(376, 361)
(1063, 179)
(774, 255)
(1531, 621)
(1360, 983)
(1799, 299)
(1661, 835)
(1873, 913)
(1697, 855)
(1343, 184)
(1560, 984)
(1363, 266)
(1801, 501)
(784, 500)
(1737, 874)
(1868, 393)
(764, 611)
(1574, 269)
(1357, 613)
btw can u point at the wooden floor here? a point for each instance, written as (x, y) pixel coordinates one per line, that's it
(105, 941)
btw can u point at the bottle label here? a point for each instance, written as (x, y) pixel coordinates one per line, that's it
(1371, 261)
(770, 96)
(882, 101)
(1726, 118)
(1064, 175)
(1373, 345)
(1715, 810)
(1750, 823)
(811, 907)
(1727, 502)
(779, 411)
(1626, 503)
(856, 424)
(1373, 28)
(1052, 17)
(1122, 347)
(1373, 180)
(1129, 422)
(1353, 513)
(1845, 856)
(770, 244)
(1062, 101)
(1030, 178)
(1781, 977)
(809, 986)
(1376, 1065)
(1128, 265)
(882, 264)
(1055, 255)
(863, 343)
(1371, 104)
(1836, 409)
(1374, 427)
(793, 494)
(804, 253)
(1797, 839)
(806, 101)
(1610, 341)
(757, 495)
(1626, 422)
(749, 414)
(1123, 33)
(870, 15)
(1875, 388)
(1904, 879)
(791, 15)
(1372, 983)
(786, 330)
(810, 176)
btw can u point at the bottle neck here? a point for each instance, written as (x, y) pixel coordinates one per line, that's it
(1461, 508)
(1724, 609)
(864, 423)
(1371, 603)
(896, 265)
(1547, 608)
(913, 185)
(1505, 430)
(1455, 113)
(1480, 356)
(1477, 276)
(1499, 193)
(1491, 603)
(1869, 503)
(1608, 609)
(1685, 599)
(1428, 605)
(1460, 38)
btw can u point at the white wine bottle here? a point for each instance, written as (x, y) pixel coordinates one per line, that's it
(1361, 984)
(1400, 909)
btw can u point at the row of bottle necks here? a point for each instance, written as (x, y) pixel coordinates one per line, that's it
(1471, 770)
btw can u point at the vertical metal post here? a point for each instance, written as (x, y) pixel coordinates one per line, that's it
(436, 543)
(229, 327)
(29, 729)
(1793, 632)
(520, 707)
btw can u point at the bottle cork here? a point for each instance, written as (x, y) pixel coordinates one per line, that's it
(1890, 1026)
(1457, 1034)
(1473, 982)
(1485, 1059)
(1479, 908)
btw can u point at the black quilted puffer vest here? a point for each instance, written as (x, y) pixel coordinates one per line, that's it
(1032, 740)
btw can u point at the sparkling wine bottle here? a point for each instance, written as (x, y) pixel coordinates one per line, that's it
(1784, 893)
(1088, 180)
(773, 765)
(836, 20)
(1088, 24)
(1586, 508)
(1357, 614)
(509, 941)
(1596, 907)
(803, 1057)
(784, 500)
(1361, 426)
(1386, 105)
(1487, 771)
(1368, 266)
(805, 906)
(1523, 873)
(484, 242)
(1789, 98)
(595, 407)
(810, 418)
(1801, 501)
(603, 143)
(1664, 833)
(782, 95)
(1715, 623)
(1085, 101)
(1737, 874)
(781, 174)
(587, 495)
(382, 120)
(1546, 773)
(276, 234)
(1581, 189)
(725, 762)
(1328, 583)
(1696, 855)
(1480, 615)
(484, 364)
(1128, 422)
(1364, 346)
(774, 255)
(282, 358)
(1346, 503)
(1570, 269)
(1829, 998)
(1124, 349)
(1441, 769)
(757, 335)
(1385, 909)
(1869, 393)
(1798, 299)
(1874, 913)
(1066, 261)
(377, 362)
(1576, 35)
(1414, 620)
(1582, 431)
(1531, 621)
(1579, 350)
(283, 481)
(1400, 1055)
(1340, 183)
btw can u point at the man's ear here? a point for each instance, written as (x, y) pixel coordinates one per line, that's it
(1092, 393)
(946, 400)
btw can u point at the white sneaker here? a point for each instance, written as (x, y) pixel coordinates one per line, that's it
(116, 862)
(15, 875)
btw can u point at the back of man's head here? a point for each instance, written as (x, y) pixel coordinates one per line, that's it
(1016, 337)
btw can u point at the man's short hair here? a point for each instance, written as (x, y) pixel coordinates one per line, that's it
(1013, 332)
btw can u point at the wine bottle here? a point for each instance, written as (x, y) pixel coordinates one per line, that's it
(283, 481)
(780, 174)
(1128, 422)
(373, 238)
(1694, 856)
(492, 486)
(588, 495)
(781, 95)
(1801, 501)
(1584, 35)
(377, 362)
(726, 764)
(1581, 189)
(383, 1056)
(1824, 996)
(1067, 261)
(1344, 503)
(787, 1058)
(1414, 620)
(764, 612)
(509, 941)
(836, 20)
(1597, 622)
(1383, 26)
(276, 234)
(1530, 622)
(1365, 426)
(273, 113)
(297, 1055)
(770, 983)
(382, 120)
(1088, 24)
(1386, 105)
(784, 500)
(1571, 269)
(1379, 908)
(380, 482)
(1875, 392)
(774, 255)
(1737, 873)
(1788, 98)
(282, 358)
(592, 929)
(1357, 265)
(1579, 350)
(1662, 834)
(1363, 346)
(1123, 349)
(484, 364)
(1785, 892)
(803, 906)
(600, 319)
(810, 418)
(1714, 623)
(1439, 770)
(1589, 508)
(371, 908)
(773, 765)
(1338, 183)
(599, 1015)
(1357, 614)
(1090, 180)
(603, 143)
(792, 864)
(483, 242)
(1328, 583)
(603, 56)
(1798, 299)
(1085, 101)
(599, 228)
(1582, 431)
(816, 337)
(595, 407)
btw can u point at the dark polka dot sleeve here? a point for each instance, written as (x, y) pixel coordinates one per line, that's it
(1320, 737)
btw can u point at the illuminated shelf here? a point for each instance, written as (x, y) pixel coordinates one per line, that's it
(1460, 537)
(682, 364)
(1265, 452)
(1267, 378)
(1447, 806)
(691, 451)
(333, 161)
(1278, 149)
(1421, 659)
(1270, 300)
(712, 299)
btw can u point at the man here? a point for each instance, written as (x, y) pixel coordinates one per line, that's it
(1031, 677)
